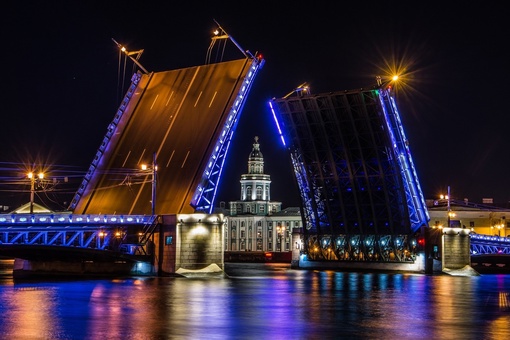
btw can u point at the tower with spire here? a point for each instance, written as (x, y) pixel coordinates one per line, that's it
(256, 225)
(255, 188)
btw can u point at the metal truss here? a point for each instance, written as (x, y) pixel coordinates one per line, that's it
(486, 244)
(100, 238)
(127, 234)
(204, 196)
(375, 248)
(345, 164)
(360, 193)
(417, 207)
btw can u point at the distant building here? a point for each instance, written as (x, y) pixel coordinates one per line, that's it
(482, 218)
(256, 223)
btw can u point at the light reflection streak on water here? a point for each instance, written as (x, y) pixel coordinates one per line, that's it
(276, 304)
(33, 311)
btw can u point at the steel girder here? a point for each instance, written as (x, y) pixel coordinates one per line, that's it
(353, 167)
(342, 158)
(98, 232)
(112, 129)
(487, 244)
(204, 196)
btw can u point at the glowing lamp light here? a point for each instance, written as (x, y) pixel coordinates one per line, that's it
(394, 78)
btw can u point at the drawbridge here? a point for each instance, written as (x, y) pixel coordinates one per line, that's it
(178, 124)
(360, 193)
(162, 154)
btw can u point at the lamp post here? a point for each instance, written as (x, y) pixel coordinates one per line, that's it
(279, 230)
(153, 182)
(449, 208)
(449, 213)
(32, 178)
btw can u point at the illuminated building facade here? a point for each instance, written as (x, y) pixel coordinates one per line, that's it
(256, 223)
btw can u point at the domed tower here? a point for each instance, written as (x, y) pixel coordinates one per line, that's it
(255, 188)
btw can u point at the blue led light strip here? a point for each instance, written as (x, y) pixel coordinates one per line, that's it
(418, 213)
(205, 194)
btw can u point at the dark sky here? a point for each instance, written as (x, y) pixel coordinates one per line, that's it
(60, 79)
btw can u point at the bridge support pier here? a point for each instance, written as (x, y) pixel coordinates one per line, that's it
(190, 245)
(456, 256)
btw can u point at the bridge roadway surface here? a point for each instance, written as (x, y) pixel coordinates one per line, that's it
(178, 115)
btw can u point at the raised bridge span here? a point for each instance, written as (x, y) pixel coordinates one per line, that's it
(179, 123)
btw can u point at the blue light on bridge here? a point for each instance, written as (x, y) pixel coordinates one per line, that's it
(205, 192)
(277, 124)
(49, 219)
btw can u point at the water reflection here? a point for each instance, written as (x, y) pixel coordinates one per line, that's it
(259, 301)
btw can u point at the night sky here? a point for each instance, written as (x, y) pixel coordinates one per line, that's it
(61, 84)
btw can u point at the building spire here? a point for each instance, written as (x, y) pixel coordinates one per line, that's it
(255, 188)
(256, 160)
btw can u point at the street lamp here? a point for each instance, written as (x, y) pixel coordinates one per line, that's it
(153, 182)
(279, 230)
(449, 212)
(32, 178)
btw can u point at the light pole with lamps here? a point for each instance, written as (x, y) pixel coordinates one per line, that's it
(279, 230)
(153, 182)
(32, 178)
(449, 212)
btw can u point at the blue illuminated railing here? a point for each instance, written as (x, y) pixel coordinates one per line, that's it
(98, 232)
(488, 244)
(57, 219)
(203, 198)
(418, 212)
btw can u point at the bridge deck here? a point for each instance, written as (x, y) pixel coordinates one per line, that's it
(177, 115)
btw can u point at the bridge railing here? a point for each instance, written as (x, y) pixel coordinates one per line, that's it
(489, 244)
(58, 219)
(99, 232)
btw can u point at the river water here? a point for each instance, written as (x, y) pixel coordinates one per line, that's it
(258, 301)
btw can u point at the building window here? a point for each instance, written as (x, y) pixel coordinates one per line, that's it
(248, 193)
(259, 223)
(259, 192)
